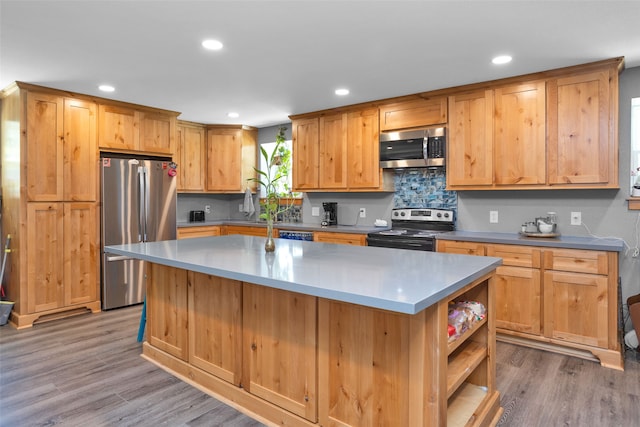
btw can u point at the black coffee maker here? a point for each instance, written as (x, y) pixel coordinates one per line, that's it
(330, 216)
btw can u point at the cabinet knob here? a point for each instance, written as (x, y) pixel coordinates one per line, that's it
(253, 346)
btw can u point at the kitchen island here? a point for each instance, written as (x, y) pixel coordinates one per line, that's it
(322, 334)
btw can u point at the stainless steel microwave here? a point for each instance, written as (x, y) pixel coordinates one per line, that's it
(423, 148)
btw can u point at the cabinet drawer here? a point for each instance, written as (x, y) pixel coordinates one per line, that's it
(462, 248)
(198, 231)
(593, 262)
(343, 238)
(516, 256)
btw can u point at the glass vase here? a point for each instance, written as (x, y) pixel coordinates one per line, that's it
(270, 244)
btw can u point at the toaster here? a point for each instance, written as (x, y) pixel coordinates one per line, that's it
(196, 216)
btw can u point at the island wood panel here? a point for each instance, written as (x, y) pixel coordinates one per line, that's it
(582, 143)
(215, 325)
(280, 342)
(364, 366)
(470, 146)
(305, 152)
(45, 158)
(413, 113)
(167, 318)
(332, 162)
(519, 134)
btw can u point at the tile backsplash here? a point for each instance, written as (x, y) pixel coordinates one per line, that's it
(423, 188)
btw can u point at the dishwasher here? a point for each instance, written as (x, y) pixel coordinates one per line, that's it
(296, 235)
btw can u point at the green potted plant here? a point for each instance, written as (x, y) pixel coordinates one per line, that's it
(274, 182)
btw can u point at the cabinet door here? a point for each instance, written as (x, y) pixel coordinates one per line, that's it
(363, 149)
(118, 128)
(45, 158)
(167, 317)
(80, 151)
(581, 124)
(81, 253)
(333, 152)
(280, 364)
(576, 308)
(413, 114)
(343, 238)
(470, 151)
(519, 134)
(215, 325)
(224, 160)
(157, 133)
(191, 155)
(305, 153)
(461, 248)
(45, 255)
(518, 304)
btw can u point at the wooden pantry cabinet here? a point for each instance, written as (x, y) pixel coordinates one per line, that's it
(338, 151)
(131, 129)
(231, 158)
(563, 300)
(549, 130)
(191, 156)
(53, 269)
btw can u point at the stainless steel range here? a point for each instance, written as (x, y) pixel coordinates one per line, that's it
(413, 229)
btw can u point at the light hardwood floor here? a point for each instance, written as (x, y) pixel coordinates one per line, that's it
(87, 371)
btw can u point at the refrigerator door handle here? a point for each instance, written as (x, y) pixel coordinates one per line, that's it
(142, 233)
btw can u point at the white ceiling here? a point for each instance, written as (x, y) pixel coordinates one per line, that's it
(288, 57)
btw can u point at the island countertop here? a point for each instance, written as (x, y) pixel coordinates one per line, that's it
(397, 280)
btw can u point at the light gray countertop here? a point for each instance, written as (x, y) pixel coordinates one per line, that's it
(389, 279)
(293, 226)
(610, 244)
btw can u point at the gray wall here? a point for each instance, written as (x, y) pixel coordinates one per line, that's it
(604, 212)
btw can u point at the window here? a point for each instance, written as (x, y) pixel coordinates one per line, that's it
(635, 145)
(284, 185)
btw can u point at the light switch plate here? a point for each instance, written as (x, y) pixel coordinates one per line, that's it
(315, 211)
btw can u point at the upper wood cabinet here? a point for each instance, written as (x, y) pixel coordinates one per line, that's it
(470, 151)
(128, 129)
(413, 113)
(582, 129)
(519, 134)
(558, 130)
(338, 152)
(231, 158)
(191, 156)
(61, 148)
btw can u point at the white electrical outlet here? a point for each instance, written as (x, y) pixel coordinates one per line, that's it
(576, 218)
(315, 211)
(240, 207)
(493, 217)
(207, 208)
(363, 213)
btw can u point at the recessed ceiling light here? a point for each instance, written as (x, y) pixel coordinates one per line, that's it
(106, 88)
(233, 115)
(212, 44)
(501, 59)
(342, 92)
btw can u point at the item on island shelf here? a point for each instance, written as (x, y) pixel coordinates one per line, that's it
(462, 316)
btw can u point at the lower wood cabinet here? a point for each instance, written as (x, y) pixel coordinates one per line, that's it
(199, 231)
(344, 238)
(557, 299)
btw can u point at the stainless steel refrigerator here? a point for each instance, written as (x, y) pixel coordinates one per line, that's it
(138, 205)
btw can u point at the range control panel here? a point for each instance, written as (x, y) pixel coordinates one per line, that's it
(422, 215)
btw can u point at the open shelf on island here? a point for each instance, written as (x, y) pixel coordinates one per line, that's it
(463, 364)
(464, 403)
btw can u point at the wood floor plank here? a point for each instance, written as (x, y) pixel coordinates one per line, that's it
(87, 370)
